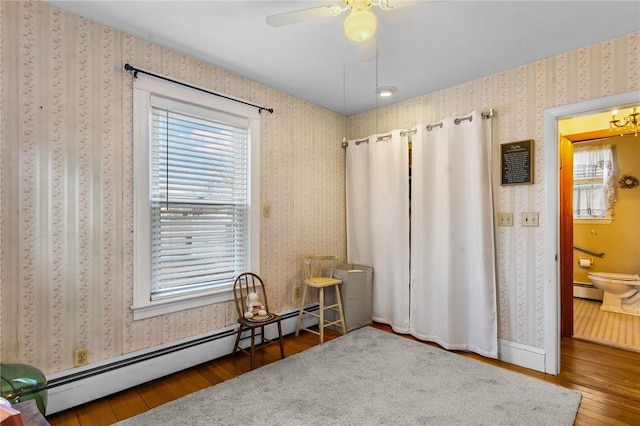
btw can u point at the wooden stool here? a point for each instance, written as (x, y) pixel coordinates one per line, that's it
(318, 273)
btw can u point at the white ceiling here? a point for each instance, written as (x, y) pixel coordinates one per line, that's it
(424, 47)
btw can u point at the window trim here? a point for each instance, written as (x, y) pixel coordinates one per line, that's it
(143, 88)
(594, 220)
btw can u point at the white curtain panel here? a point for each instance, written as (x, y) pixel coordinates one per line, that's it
(378, 222)
(453, 278)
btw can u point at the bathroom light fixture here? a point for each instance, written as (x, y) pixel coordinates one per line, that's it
(386, 91)
(361, 23)
(629, 123)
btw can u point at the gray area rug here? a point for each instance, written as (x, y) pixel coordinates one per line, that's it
(372, 377)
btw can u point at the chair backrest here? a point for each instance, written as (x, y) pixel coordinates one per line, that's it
(246, 283)
(319, 266)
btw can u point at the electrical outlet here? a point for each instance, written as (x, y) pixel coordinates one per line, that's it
(296, 292)
(505, 219)
(81, 357)
(530, 219)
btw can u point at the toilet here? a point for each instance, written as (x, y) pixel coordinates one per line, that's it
(621, 291)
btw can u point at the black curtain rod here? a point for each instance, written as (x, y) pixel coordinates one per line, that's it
(135, 72)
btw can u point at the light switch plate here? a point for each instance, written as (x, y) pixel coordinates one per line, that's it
(505, 219)
(530, 219)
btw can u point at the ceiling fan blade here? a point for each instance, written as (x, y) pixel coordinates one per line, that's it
(367, 50)
(396, 4)
(302, 15)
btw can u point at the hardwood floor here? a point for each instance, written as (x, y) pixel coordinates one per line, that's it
(608, 378)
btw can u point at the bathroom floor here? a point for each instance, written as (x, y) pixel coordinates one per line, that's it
(607, 328)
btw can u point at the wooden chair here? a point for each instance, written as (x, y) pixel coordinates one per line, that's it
(319, 273)
(251, 283)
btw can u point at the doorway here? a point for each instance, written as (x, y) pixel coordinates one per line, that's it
(605, 235)
(559, 297)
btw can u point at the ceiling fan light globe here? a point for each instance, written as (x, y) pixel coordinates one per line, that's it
(360, 25)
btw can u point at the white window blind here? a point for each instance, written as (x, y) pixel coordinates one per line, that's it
(199, 200)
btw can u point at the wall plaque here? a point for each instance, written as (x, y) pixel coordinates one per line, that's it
(517, 162)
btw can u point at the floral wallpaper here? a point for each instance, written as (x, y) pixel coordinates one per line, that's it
(66, 211)
(67, 192)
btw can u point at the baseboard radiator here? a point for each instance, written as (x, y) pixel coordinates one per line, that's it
(586, 290)
(71, 388)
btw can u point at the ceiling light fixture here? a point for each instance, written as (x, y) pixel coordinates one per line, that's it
(361, 24)
(386, 91)
(629, 123)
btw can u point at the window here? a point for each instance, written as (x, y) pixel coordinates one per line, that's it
(196, 163)
(593, 183)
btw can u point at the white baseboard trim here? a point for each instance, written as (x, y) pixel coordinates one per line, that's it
(71, 388)
(522, 355)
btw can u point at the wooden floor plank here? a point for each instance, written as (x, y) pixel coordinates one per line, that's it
(99, 413)
(192, 380)
(127, 403)
(161, 391)
(66, 418)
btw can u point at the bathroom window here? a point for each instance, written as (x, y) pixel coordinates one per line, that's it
(593, 183)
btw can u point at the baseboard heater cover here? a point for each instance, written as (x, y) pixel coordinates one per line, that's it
(586, 290)
(71, 388)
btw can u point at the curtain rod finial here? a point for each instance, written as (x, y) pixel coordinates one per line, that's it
(128, 67)
(488, 114)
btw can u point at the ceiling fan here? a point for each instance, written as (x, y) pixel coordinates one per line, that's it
(359, 26)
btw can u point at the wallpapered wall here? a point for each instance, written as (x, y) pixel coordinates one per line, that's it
(520, 97)
(67, 180)
(67, 194)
